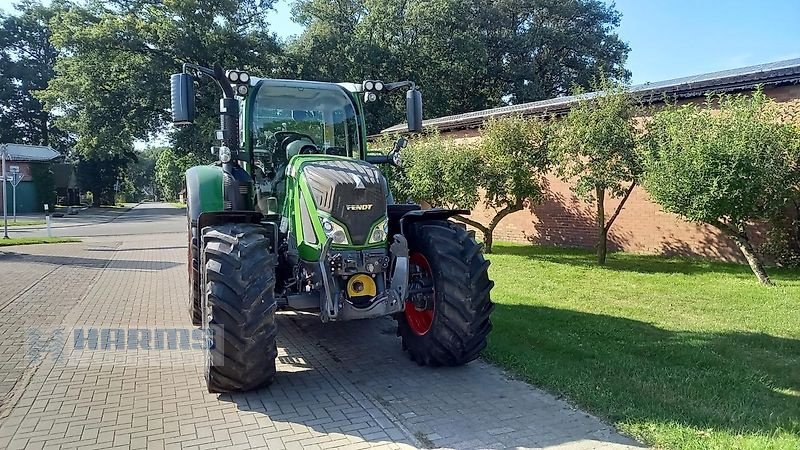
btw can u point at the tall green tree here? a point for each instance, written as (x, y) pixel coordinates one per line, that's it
(595, 150)
(465, 54)
(27, 58)
(726, 163)
(115, 59)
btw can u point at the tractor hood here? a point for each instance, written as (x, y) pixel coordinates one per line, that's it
(351, 191)
(340, 198)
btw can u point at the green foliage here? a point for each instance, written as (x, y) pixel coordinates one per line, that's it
(26, 67)
(731, 164)
(724, 166)
(504, 168)
(44, 183)
(783, 239)
(595, 148)
(442, 172)
(36, 240)
(170, 169)
(115, 59)
(100, 176)
(595, 145)
(514, 158)
(139, 176)
(465, 54)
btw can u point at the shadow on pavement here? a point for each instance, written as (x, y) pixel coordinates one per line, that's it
(114, 264)
(353, 378)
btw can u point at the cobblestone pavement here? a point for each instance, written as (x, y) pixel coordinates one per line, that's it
(342, 385)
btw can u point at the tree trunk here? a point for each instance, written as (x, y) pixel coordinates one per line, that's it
(603, 227)
(45, 137)
(739, 236)
(602, 231)
(485, 231)
(488, 231)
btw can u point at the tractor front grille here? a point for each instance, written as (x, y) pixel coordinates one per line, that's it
(352, 191)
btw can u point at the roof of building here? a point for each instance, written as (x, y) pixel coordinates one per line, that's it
(733, 80)
(21, 152)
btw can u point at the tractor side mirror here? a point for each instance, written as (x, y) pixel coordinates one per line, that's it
(182, 99)
(414, 110)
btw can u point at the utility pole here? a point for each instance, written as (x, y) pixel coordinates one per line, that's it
(3, 155)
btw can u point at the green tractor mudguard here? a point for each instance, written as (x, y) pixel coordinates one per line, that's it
(203, 191)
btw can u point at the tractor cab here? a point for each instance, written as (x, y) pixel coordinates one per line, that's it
(288, 118)
(285, 118)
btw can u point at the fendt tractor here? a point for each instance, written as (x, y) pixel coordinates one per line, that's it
(296, 215)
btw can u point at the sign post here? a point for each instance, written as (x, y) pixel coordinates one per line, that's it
(3, 156)
(16, 177)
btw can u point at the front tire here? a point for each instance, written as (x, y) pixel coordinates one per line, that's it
(239, 307)
(195, 291)
(446, 318)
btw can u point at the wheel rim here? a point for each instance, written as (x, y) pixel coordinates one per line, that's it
(419, 319)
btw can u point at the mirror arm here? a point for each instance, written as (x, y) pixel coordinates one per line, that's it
(379, 159)
(217, 74)
(400, 84)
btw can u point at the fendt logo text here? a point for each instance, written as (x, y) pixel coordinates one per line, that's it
(366, 207)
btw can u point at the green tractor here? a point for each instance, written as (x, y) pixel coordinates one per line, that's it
(296, 215)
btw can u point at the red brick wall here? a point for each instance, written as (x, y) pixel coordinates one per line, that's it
(641, 226)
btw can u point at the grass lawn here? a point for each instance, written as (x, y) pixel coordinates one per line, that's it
(678, 353)
(35, 240)
(23, 223)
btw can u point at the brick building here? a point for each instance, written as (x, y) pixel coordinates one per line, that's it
(642, 226)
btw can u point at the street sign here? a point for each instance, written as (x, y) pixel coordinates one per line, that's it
(16, 177)
(13, 169)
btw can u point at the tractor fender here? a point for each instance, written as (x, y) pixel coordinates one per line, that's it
(401, 216)
(203, 191)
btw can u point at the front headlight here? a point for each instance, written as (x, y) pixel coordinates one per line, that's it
(334, 231)
(379, 232)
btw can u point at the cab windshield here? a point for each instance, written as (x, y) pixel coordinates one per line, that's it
(319, 113)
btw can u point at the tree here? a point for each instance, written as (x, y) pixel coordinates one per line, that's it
(595, 148)
(170, 168)
(26, 66)
(139, 176)
(115, 59)
(725, 163)
(466, 55)
(503, 170)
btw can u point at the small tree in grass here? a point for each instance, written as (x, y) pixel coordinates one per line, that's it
(724, 168)
(503, 169)
(595, 148)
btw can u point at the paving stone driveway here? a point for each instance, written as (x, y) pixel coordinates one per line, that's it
(341, 385)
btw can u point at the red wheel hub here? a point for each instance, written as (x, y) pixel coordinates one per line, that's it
(420, 319)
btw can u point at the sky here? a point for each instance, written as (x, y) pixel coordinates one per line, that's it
(675, 38)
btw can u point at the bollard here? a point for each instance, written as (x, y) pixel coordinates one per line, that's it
(47, 219)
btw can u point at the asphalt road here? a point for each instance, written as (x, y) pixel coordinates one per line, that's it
(145, 218)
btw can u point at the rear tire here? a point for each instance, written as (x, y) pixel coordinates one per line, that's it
(239, 307)
(452, 327)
